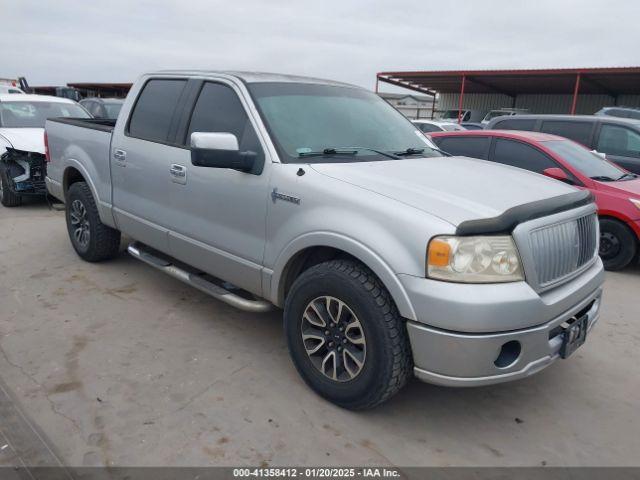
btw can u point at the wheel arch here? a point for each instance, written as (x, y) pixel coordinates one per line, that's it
(312, 249)
(627, 222)
(70, 176)
(75, 172)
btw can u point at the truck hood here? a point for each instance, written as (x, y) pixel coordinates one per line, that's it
(455, 189)
(27, 139)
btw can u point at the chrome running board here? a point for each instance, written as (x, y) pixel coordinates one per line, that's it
(196, 279)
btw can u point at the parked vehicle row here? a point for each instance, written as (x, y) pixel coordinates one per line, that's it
(5, 89)
(388, 258)
(428, 126)
(465, 115)
(502, 112)
(616, 191)
(481, 117)
(618, 139)
(106, 108)
(622, 112)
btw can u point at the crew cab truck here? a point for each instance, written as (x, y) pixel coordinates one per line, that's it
(319, 198)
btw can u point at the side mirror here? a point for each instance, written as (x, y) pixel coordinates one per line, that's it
(557, 174)
(219, 150)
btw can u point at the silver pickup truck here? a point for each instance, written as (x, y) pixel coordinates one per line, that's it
(388, 257)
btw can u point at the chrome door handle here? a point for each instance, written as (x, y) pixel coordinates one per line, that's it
(119, 155)
(178, 170)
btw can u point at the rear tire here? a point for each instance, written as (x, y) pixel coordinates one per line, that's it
(365, 358)
(92, 240)
(7, 197)
(618, 244)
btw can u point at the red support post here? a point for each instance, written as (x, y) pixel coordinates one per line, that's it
(433, 106)
(575, 94)
(464, 78)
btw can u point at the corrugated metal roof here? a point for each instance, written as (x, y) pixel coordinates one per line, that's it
(608, 81)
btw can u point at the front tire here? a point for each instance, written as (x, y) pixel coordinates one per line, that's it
(618, 244)
(92, 240)
(7, 197)
(345, 335)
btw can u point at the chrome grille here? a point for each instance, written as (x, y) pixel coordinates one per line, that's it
(561, 249)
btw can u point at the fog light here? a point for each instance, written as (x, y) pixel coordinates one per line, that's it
(509, 353)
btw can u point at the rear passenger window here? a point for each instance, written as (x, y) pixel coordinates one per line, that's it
(515, 124)
(94, 109)
(218, 109)
(617, 140)
(518, 154)
(577, 131)
(476, 147)
(152, 114)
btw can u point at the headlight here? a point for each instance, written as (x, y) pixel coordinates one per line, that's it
(487, 259)
(636, 202)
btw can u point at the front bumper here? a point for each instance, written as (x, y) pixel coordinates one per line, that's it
(452, 346)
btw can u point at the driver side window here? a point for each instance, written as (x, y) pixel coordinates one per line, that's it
(218, 109)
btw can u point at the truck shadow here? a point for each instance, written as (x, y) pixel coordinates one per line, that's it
(439, 407)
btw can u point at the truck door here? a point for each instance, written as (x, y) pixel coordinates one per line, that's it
(141, 156)
(221, 213)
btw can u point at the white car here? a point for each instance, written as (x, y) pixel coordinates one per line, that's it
(428, 126)
(22, 149)
(9, 89)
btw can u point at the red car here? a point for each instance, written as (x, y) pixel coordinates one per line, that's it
(617, 192)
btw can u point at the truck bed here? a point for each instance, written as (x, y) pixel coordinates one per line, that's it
(82, 145)
(103, 124)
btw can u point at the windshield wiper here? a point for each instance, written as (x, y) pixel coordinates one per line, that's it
(627, 175)
(603, 178)
(346, 151)
(409, 151)
(328, 151)
(446, 154)
(419, 151)
(380, 152)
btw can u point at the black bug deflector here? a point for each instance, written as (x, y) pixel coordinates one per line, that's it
(25, 171)
(507, 221)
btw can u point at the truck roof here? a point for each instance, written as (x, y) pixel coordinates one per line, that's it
(254, 77)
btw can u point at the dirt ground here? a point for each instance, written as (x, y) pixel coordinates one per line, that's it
(118, 364)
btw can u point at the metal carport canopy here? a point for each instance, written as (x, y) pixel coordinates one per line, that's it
(609, 81)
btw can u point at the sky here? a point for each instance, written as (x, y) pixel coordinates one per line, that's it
(55, 42)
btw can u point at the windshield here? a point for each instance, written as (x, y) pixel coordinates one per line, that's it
(34, 114)
(113, 109)
(586, 162)
(307, 118)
